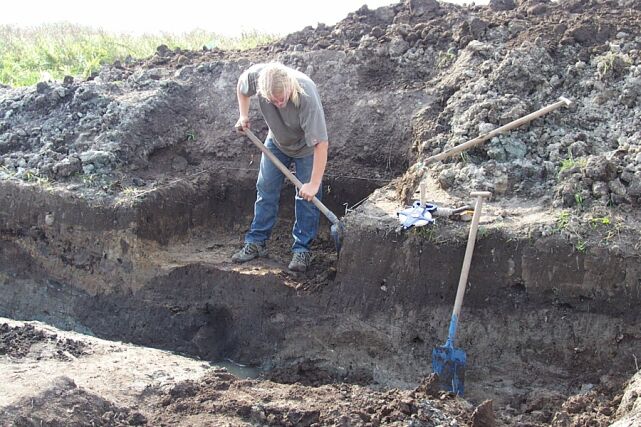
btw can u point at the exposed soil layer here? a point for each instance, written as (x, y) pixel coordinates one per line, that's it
(530, 348)
(122, 198)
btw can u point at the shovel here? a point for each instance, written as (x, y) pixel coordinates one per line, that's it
(337, 230)
(448, 362)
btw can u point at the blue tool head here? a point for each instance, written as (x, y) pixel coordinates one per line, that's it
(449, 364)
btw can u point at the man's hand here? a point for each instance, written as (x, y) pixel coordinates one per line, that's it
(242, 124)
(308, 191)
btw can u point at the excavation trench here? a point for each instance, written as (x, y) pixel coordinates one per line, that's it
(122, 198)
(538, 314)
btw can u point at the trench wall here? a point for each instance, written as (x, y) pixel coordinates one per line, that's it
(536, 303)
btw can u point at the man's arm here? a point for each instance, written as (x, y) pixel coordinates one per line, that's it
(243, 108)
(309, 190)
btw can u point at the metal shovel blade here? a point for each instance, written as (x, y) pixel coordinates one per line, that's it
(337, 231)
(449, 364)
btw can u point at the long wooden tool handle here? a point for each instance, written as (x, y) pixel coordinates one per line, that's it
(257, 142)
(469, 250)
(562, 102)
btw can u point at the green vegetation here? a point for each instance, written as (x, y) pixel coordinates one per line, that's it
(428, 232)
(604, 220)
(445, 59)
(570, 224)
(31, 176)
(614, 231)
(596, 228)
(571, 162)
(578, 198)
(53, 51)
(6, 171)
(612, 227)
(465, 157)
(562, 221)
(612, 64)
(89, 180)
(128, 196)
(190, 136)
(482, 232)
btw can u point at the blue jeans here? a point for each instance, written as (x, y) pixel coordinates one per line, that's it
(268, 186)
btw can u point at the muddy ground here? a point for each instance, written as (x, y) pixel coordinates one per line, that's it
(123, 197)
(108, 383)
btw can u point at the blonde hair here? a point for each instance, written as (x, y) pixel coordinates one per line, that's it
(277, 79)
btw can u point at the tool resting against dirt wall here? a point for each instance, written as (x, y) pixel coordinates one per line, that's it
(449, 362)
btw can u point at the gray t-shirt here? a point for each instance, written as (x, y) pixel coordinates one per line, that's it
(295, 130)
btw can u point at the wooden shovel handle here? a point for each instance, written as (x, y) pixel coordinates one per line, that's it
(469, 250)
(562, 102)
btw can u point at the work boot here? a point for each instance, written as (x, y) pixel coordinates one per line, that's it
(249, 252)
(301, 261)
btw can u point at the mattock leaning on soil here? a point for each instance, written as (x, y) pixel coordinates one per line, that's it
(562, 102)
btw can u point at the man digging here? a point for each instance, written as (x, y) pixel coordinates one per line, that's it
(292, 109)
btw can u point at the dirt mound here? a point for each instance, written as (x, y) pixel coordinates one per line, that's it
(64, 403)
(629, 410)
(410, 80)
(18, 341)
(273, 404)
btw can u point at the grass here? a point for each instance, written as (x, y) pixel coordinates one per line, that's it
(33, 177)
(562, 221)
(190, 136)
(612, 227)
(578, 198)
(608, 229)
(612, 64)
(603, 220)
(89, 180)
(445, 59)
(565, 221)
(427, 232)
(52, 51)
(5, 170)
(465, 157)
(29, 176)
(128, 196)
(571, 162)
